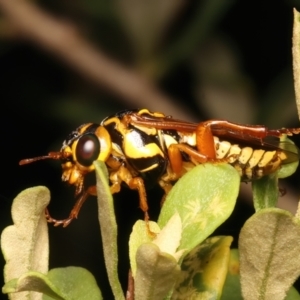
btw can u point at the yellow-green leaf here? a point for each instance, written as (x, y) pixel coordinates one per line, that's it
(25, 244)
(204, 270)
(204, 198)
(269, 254)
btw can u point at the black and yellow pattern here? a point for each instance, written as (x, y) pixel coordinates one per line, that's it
(141, 148)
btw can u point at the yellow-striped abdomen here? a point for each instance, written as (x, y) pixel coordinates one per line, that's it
(250, 163)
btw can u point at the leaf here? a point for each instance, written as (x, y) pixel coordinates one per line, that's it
(269, 254)
(168, 240)
(265, 191)
(61, 283)
(204, 199)
(108, 227)
(74, 283)
(290, 168)
(138, 237)
(156, 272)
(32, 281)
(204, 270)
(25, 244)
(156, 283)
(292, 294)
(232, 286)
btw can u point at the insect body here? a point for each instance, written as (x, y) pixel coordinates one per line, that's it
(141, 148)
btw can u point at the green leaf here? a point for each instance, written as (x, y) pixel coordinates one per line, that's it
(289, 168)
(204, 270)
(269, 254)
(265, 191)
(74, 283)
(138, 237)
(108, 228)
(158, 282)
(32, 282)
(156, 272)
(292, 294)
(168, 240)
(25, 244)
(204, 198)
(61, 284)
(232, 286)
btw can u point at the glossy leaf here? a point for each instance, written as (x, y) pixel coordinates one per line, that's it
(269, 254)
(204, 199)
(108, 227)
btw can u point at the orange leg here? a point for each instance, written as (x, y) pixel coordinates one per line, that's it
(75, 210)
(174, 152)
(134, 183)
(137, 183)
(205, 140)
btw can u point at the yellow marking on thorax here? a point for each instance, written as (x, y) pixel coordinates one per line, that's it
(169, 140)
(154, 114)
(134, 148)
(149, 168)
(147, 130)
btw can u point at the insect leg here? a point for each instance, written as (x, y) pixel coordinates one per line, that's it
(205, 140)
(134, 183)
(137, 183)
(195, 156)
(75, 210)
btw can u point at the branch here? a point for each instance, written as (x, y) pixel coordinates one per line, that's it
(65, 42)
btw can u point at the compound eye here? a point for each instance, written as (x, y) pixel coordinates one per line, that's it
(87, 149)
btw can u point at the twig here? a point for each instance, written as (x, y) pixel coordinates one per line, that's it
(64, 41)
(130, 288)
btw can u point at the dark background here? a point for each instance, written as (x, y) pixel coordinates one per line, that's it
(243, 55)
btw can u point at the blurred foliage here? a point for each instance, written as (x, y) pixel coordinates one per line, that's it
(220, 59)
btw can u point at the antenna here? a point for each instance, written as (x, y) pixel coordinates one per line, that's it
(51, 155)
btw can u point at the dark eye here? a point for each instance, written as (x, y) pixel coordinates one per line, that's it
(87, 149)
